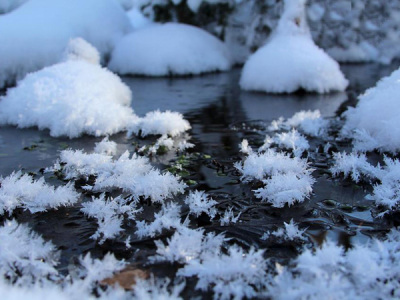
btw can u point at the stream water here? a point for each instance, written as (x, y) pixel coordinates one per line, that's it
(221, 116)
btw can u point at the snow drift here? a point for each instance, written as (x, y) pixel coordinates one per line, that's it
(35, 35)
(380, 104)
(70, 98)
(169, 49)
(291, 61)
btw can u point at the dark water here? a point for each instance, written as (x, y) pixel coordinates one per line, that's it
(221, 116)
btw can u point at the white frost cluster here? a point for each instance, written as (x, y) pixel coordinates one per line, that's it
(379, 104)
(187, 244)
(290, 232)
(237, 274)
(70, 98)
(292, 140)
(287, 180)
(24, 252)
(309, 122)
(291, 61)
(35, 35)
(21, 191)
(199, 202)
(134, 175)
(169, 217)
(354, 165)
(169, 49)
(364, 271)
(106, 147)
(109, 214)
(387, 191)
(156, 122)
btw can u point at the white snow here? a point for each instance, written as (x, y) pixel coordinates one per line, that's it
(134, 175)
(36, 34)
(380, 105)
(187, 244)
(24, 252)
(109, 214)
(236, 274)
(106, 147)
(199, 202)
(167, 218)
(291, 61)
(290, 232)
(21, 191)
(156, 122)
(287, 180)
(364, 271)
(70, 98)
(169, 49)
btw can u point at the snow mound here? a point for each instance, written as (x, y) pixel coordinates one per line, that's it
(36, 34)
(22, 191)
(291, 61)
(379, 104)
(169, 49)
(79, 49)
(70, 98)
(156, 122)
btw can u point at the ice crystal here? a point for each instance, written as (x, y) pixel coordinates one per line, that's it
(167, 218)
(20, 190)
(25, 253)
(199, 202)
(237, 274)
(134, 175)
(109, 214)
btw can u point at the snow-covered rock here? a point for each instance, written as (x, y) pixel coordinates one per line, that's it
(70, 98)
(379, 104)
(169, 49)
(36, 34)
(291, 61)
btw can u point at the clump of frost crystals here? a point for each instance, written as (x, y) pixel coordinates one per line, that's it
(168, 218)
(24, 253)
(386, 191)
(309, 122)
(134, 175)
(156, 122)
(20, 190)
(290, 232)
(187, 244)
(292, 140)
(290, 60)
(363, 272)
(237, 274)
(287, 180)
(200, 203)
(109, 214)
(70, 98)
(169, 49)
(106, 147)
(379, 104)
